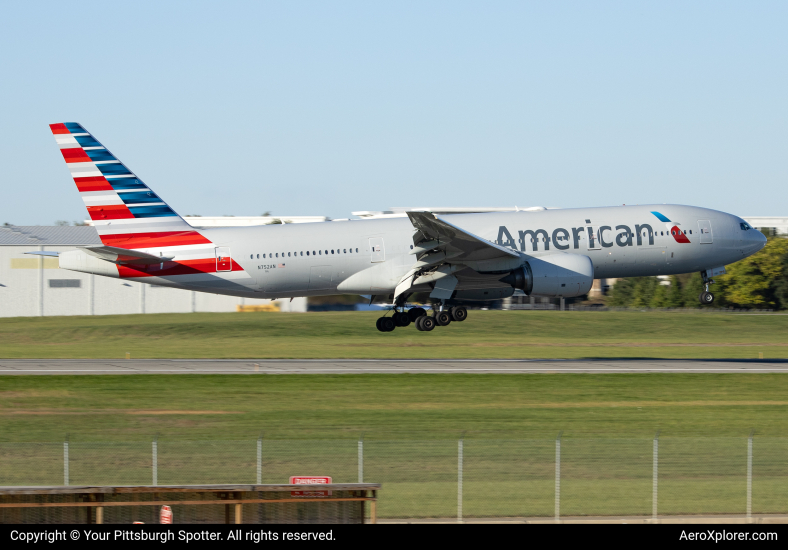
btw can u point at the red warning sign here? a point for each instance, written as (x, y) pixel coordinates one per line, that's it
(310, 480)
(165, 516)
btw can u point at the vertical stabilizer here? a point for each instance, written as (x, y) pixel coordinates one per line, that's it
(125, 211)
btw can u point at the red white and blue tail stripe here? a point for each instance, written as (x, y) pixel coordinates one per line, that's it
(125, 211)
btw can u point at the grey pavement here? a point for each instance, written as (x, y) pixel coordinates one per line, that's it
(380, 366)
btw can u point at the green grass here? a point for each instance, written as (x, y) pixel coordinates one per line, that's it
(208, 424)
(399, 406)
(486, 334)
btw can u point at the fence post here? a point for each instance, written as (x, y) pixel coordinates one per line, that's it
(558, 477)
(155, 460)
(654, 478)
(260, 459)
(361, 458)
(65, 461)
(459, 478)
(749, 475)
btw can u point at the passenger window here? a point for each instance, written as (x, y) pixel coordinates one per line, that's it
(288, 254)
(357, 250)
(277, 254)
(690, 231)
(251, 256)
(302, 253)
(344, 251)
(326, 252)
(307, 252)
(320, 252)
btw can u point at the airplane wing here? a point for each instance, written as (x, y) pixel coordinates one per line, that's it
(458, 242)
(124, 256)
(445, 241)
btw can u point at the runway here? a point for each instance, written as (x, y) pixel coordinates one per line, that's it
(381, 366)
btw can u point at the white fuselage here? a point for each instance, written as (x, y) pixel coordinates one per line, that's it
(320, 258)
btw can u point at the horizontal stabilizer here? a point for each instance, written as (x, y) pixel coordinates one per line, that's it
(124, 256)
(44, 253)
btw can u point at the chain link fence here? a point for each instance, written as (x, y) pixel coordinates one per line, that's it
(470, 478)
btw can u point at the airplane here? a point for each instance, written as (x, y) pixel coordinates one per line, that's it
(448, 260)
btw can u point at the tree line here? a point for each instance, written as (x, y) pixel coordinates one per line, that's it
(757, 282)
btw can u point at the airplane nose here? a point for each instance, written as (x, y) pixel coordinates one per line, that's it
(761, 237)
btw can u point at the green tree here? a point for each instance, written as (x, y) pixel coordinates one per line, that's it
(674, 297)
(755, 281)
(622, 293)
(781, 287)
(660, 296)
(692, 289)
(644, 291)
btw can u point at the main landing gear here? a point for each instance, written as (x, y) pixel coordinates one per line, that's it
(418, 316)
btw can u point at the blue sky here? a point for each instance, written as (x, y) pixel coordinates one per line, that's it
(323, 108)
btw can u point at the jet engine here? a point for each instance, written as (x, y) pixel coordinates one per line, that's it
(553, 275)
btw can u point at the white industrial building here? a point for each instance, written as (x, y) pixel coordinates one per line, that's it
(36, 286)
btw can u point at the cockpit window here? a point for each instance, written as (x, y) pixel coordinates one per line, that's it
(744, 226)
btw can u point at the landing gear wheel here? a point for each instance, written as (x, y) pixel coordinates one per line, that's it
(401, 319)
(417, 322)
(443, 319)
(458, 313)
(426, 323)
(385, 324)
(416, 312)
(706, 298)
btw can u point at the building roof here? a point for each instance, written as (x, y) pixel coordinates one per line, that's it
(44, 235)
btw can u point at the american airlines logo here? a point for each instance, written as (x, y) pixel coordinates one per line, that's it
(605, 236)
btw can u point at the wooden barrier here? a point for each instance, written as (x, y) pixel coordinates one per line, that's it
(327, 503)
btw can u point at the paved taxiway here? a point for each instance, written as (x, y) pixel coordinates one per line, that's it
(388, 366)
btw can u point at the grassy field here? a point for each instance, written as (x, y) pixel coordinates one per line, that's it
(486, 334)
(418, 406)
(207, 428)
(208, 425)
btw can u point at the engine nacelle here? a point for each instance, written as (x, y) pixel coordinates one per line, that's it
(554, 275)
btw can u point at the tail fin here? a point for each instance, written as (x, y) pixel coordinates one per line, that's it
(126, 213)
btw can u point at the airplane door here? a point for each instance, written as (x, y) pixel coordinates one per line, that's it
(377, 252)
(706, 236)
(223, 260)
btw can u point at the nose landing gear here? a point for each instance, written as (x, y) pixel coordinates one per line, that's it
(706, 298)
